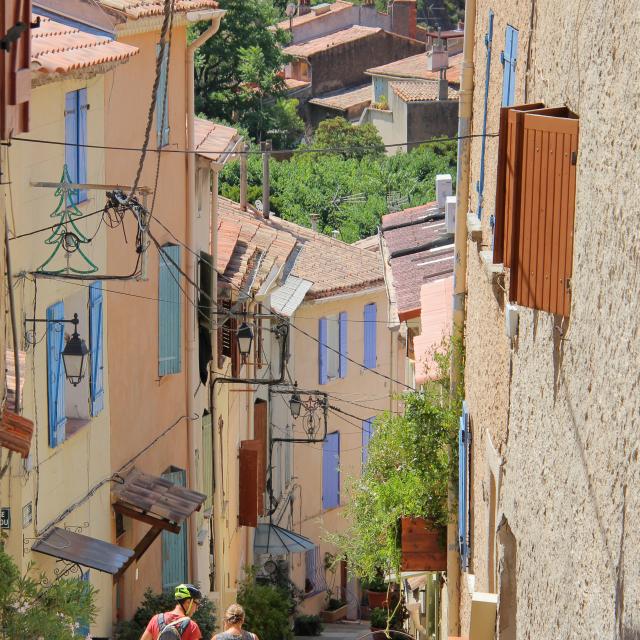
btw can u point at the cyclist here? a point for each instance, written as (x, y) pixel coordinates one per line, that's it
(177, 623)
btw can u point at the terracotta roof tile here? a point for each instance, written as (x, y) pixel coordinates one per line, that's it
(311, 47)
(145, 8)
(415, 67)
(335, 7)
(292, 83)
(345, 99)
(58, 48)
(420, 91)
(213, 141)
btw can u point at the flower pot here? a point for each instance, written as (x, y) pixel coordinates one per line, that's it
(423, 545)
(335, 614)
(377, 599)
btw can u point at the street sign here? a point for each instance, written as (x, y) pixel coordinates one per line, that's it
(5, 518)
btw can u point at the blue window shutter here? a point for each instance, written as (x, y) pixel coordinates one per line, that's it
(342, 366)
(331, 471)
(96, 338)
(488, 42)
(322, 351)
(367, 432)
(71, 139)
(509, 61)
(162, 102)
(83, 627)
(370, 317)
(464, 439)
(169, 312)
(83, 107)
(55, 375)
(174, 546)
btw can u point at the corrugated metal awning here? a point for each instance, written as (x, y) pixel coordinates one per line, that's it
(287, 298)
(83, 550)
(272, 539)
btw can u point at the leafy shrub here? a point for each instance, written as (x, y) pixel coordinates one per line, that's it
(376, 584)
(154, 603)
(334, 604)
(307, 626)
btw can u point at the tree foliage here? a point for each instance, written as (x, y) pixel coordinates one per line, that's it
(31, 608)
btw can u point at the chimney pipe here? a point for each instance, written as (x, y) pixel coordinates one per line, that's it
(266, 186)
(443, 87)
(336, 234)
(243, 177)
(314, 221)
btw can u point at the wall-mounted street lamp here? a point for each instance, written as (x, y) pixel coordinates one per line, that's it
(295, 405)
(245, 340)
(74, 354)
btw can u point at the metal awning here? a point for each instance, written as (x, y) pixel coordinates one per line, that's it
(83, 550)
(272, 539)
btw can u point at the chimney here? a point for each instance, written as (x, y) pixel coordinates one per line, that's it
(404, 16)
(314, 221)
(450, 214)
(443, 87)
(336, 234)
(243, 178)
(437, 56)
(443, 190)
(304, 7)
(460, 25)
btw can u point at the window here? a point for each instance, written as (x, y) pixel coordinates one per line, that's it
(509, 58)
(370, 320)
(96, 341)
(331, 471)
(227, 340)
(332, 347)
(464, 441)
(169, 311)
(75, 135)
(162, 99)
(315, 581)
(367, 432)
(174, 546)
(379, 88)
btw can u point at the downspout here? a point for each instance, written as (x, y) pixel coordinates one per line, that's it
(460, 288)
(191, 337)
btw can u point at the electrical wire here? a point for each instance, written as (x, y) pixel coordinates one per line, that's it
(53, 226)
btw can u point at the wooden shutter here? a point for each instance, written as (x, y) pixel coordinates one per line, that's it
(342, 338)
(463, 487)
(367, 432)
(260, 434)
(248, 486)
(175, 561)
(322, 351)
(542, 258)
(96, 340)
(370, 324)
(508, 181)
(169, 311)
(55, 375)
(15, 78)
(331, 471)
(71, 139)
(509, 59)
(162, 99)
(83, 112)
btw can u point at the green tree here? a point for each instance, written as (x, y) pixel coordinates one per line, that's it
(31, 608)
(338, 133)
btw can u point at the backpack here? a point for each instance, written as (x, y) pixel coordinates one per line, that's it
(173, 630)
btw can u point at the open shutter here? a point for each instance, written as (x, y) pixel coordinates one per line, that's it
(322, 351)
(248, 486)
(71, 139)
(162, 102)
(342, 366)
(488, 39)
(55, 375)
(331, 471)
(367, 432)
(370, 320)
(175, 559)
(260, 415)
(96, 340)
(463, 488)
(169, 312)
(509, 59)
(83, 626)
(83, 109)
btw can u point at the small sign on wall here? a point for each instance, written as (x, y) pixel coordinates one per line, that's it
(5, 518)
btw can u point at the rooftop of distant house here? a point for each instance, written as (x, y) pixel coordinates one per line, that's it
(293, 85)
(135, 9)
(316, 13)
(420, 91)
(214, 141)
(345, 98)
(415, 67)
(317, 45)
(419, 250)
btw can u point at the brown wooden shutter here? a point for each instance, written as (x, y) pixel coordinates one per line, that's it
(248, 486)
(257, 446)
(542, 252)
(507, 186)
(260, 435)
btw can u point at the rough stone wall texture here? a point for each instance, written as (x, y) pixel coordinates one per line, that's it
(431, 119)
(570, 444)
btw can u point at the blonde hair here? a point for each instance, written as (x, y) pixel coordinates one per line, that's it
(234, 614)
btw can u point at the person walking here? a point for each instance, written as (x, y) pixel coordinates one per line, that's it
(233, 621)
(177, 624)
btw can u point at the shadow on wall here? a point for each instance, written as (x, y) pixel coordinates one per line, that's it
(507, 565)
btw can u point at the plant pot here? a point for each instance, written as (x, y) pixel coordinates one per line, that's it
(335, 614)
(379, 634)
(377, 599)
(423, 545)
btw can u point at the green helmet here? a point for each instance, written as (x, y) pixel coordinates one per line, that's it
(186, 592)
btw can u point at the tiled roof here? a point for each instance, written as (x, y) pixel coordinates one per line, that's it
(345, 99)
(146, 8)
(415, 67)
(58, 48)
(372, 243)
(413, 258)
(335, 7)
(292, 84)
(213, 141)
(228, 232)
(420, 91)
(436, 312)
(317, 45)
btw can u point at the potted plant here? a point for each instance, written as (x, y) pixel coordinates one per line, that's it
(376, 589)
(335, 610)
(384, 622)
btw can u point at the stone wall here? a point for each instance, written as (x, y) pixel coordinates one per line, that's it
(431, 119)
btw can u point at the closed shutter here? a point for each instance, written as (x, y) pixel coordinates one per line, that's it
(83, 625)
(509, 59)
(370, 320)
(247, 486)
(175, 564)
(464, 439)
(367, 432)
(488, 43)
(162, 99)
(322, 351)
(55, 375)
(83, 112)
(169, 312)
(260, 416)
(71, 140)
(96, 339)
(342, 366)
(331, 471)
(207, 461)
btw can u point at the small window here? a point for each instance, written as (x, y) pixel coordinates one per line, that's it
(331, 471)
(227, 340)
(332, 347)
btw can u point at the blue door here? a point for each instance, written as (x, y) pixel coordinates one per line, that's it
(175, 566)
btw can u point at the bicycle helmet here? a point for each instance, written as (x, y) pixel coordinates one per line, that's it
(186, 592)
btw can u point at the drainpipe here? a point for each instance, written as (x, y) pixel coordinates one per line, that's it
(192, 356)
(460, 287)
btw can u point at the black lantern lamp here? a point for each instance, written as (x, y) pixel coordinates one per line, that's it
(295, 405)
(74, 355)
(245, 340)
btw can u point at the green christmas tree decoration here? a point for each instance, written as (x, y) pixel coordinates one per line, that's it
(66, 234)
